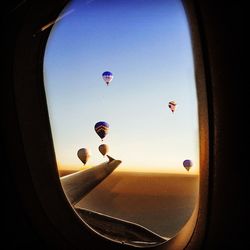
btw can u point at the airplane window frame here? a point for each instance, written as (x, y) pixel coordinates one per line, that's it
(34, 124)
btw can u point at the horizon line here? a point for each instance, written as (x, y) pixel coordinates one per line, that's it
(130, 170)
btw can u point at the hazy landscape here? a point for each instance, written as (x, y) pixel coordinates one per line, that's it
(160, 202)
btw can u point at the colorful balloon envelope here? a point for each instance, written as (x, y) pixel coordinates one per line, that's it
(103, 148)
(83, 154)
(102, 128)
(107, 77)
(187, 164)
(172, 106)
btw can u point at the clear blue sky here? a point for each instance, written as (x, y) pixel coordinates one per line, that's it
(146, 45)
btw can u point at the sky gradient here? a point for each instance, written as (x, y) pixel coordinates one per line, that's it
(147, 46)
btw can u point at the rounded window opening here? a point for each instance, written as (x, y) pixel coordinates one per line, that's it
(122, 99)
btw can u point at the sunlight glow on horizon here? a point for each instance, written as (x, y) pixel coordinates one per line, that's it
(141, 169)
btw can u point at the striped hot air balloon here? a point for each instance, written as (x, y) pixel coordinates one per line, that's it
(102, 128)
(172, 106)
(107, 77)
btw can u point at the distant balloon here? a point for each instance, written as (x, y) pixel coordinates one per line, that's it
(187, 164)
(83, 154)
(104, 148)
(102, 128)
(172, 106)
(107, 77)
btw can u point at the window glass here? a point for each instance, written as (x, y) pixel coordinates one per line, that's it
(128, 64)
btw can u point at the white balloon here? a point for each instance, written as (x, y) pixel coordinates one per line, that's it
(83, 154)
(104, 148)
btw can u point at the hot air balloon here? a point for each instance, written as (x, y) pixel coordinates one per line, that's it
(103, 148)
(101, 128)
(172, 106)
(187, 164)
(107, 77)
(83, 154)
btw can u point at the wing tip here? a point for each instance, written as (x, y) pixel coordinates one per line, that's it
(110, 158)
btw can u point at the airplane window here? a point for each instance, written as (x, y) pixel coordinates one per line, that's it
(121, 92)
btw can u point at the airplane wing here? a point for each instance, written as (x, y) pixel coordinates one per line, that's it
(79, 184)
